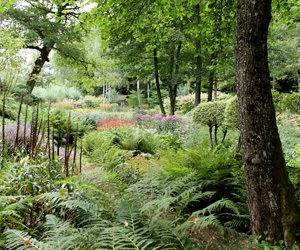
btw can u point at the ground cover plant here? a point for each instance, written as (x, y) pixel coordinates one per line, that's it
(155, 183)
(149, 125)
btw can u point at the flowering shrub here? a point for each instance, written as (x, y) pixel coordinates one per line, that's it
(160, 122)
(104, 105)
(113, 123)
(64, 105)
(186, 103)
(10, 136)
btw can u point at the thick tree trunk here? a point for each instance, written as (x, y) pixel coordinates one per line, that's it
(38, 65)
(271, 200)
(161, 105)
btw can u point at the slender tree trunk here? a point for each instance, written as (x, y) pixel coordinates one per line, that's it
(138, 93)
(270, 194)
(216, 88)
(298, 78)
(198, 61)
(160, 101)
(173, 77)
(211, 77)
(148, 95)
(210, 85)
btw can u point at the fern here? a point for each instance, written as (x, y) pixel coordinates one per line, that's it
(21, 240)
(128, 232)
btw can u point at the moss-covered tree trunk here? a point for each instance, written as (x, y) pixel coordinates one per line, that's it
(271, 200)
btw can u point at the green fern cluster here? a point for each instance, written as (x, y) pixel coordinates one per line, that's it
(154, 213)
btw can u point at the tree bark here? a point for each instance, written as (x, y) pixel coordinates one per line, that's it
(270, 194)
(198, 61)
(161, 105)
(211, 76)
(38, 65)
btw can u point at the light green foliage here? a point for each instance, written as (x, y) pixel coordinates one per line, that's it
(57, 93)
(231, 114)
(11, 61)
(11, 107)
(100, 149)
(210, 113)
(286, 102)
(132, 99)
(186, 103)
(59, 120)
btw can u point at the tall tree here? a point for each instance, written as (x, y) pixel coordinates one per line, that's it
(47, 25)
(270, 195)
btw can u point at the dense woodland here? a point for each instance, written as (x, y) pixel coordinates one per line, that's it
(149, 124)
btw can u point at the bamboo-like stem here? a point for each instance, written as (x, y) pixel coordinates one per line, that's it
(80, 158)
(53, 149)
(18, 124)
(48, 148)
(31, 134)
(36, 129)
(42, 136)
(75, 144)
(58, 142)
(3, 127)
(26, 113)
(67, 153)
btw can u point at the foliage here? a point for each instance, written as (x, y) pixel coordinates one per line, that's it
(159, 122)
(186, 103)
(57, 93)
(11, 61)
(212, 115)
(231, 114)
(285, 101)
(11, 107)
(113, 123)
(59, 121)
(23, 142)
(92, 117)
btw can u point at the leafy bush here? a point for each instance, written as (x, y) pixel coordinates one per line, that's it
(11, 108)
(91, 117)
(11, 134)
(59, 120)
(210, 114)
(159, 122)
(231, 114)
(100, 148)
(284, 101)
(56, 93)
(186, 103)
(132, 99)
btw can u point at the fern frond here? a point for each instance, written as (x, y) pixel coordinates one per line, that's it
(18, 240)
(218, 205)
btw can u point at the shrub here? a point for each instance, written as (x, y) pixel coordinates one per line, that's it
(159, 122)
(113, 123)
(186, 103)
(10, 137)
(91, 117)
(11, 108)
(56, 93)
(284, 101)
(210, 114)
(59, 120)
(231, 114)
